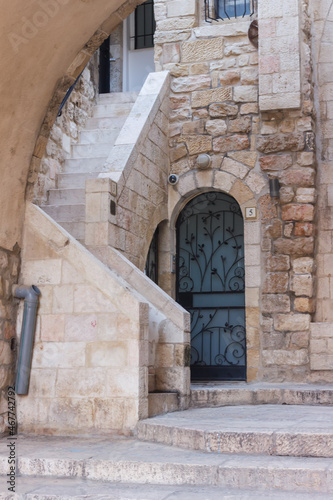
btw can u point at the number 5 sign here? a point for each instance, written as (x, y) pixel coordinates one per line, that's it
(250, 213)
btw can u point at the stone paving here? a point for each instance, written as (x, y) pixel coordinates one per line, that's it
(65, 489)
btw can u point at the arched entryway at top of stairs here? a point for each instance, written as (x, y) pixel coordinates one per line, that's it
(189, 186)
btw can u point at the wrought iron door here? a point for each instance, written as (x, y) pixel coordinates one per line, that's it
(211, 285)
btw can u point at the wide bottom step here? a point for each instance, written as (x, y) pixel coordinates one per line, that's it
(82, 489)
(129, 461)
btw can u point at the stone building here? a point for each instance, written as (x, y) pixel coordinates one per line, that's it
(178, 180)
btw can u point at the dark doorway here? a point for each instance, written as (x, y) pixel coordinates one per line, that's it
(104, 67)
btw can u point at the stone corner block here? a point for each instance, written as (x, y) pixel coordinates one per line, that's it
(99, 185)
(321, 330)
(280, 101)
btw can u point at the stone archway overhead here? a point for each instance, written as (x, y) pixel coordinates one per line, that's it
(74, 70)
(38, 64)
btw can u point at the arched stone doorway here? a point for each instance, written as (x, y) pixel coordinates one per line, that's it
(210, 284)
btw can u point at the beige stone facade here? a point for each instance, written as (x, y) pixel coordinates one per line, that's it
(260, 114)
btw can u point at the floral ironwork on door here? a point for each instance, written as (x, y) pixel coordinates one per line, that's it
(211, 285)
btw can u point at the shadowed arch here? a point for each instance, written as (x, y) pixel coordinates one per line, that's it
(44, 47)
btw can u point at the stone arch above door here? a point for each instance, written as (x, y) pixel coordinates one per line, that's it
(195, 182)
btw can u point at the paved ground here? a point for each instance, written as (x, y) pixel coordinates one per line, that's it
(52, 489)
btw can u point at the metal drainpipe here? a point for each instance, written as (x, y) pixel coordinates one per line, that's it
(30, 296)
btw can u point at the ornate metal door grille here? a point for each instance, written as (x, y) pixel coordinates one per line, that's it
(211, 285)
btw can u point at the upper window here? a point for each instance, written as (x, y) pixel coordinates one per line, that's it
(233, 8)
(227, 9)
(144, 25)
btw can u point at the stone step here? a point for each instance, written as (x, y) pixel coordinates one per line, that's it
(241, 393)
(99, 136)
(33, 488)
(65, 213)
(264, 429)
(84, 164)
(91, 150)
(76, 229)
(117, 97)
(74, 181)
(112, 110)
(162, 402)
(105, 123)
(129, 461)
(151, 382)
(66, 196)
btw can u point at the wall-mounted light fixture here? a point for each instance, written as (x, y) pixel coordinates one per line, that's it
(274, 188)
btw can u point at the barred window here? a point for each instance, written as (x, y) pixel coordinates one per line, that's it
(227, 9)
(144, 25)
(233, 8)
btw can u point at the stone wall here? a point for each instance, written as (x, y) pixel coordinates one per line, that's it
(9, 271)
(96, 337)
(65, 131)
(116, 54)
(323, 46)
(214, 110)
(279, 33)
(89, 366)
(138, 163)
(286, 147)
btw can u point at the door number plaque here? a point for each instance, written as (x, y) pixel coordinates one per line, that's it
(251, 213)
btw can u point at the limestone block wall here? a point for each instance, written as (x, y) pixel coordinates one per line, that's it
(116, 65)
(169, 331)
(89, 366)
(321, 344)
(214, 109)
(321, 352)
(9, 271)
(65, 131)
(97, 338)
(323, 51)
(279, 51)
(138, 163)
(286, 151)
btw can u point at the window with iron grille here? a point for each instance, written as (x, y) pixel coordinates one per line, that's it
(144, 25)
(226, 9)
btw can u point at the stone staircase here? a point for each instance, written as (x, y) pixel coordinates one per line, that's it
(66, 204)
(277, 443)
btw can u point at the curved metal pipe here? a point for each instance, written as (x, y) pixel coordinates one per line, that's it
(30, 296)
